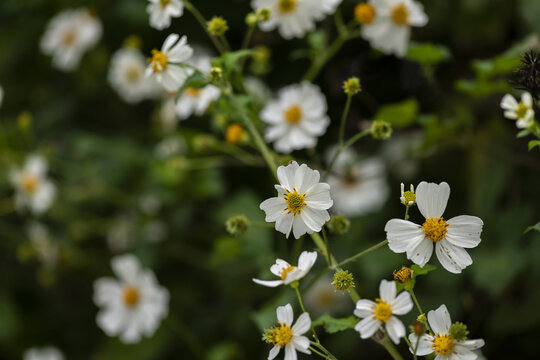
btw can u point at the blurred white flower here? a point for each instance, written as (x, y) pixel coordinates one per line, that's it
(376, 314)
(69, 35)
(170, 146)
(441, 342)
(33, 190)
(44, 353)
(287, 335)
(127, 76)
(294, 18)
(41, 241)
(289, 273)
(167, 117)
(161, 12)
(132, 306)
(322, 298)
(450, 237)
(257, 89)
(165, 64)
(522, 112)
(296, 118)
(302, 203)
(386, 24)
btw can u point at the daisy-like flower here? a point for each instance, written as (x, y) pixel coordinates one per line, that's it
(294, 18)
(449, 236)
(296, 118)
(386, 24)
(33, 190)
(287, 335)
(302, 203)
(289, 273)
(127, 76)
(161, 12)
(44, 353)
(375, 314)
(444, 342)
(165, 64)
(69, 35)
(132, 306)
(522, 112)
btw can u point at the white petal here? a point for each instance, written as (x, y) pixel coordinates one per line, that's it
(395, 329)
(126, 267)
(462, 353)
(268, 283)
(314, 219)
(307, 260)
(509, 103)
(472, 344)
(302, 325)
(424, 346)
(290, 352)
(364, 308)
(527, 99)
(400, 233)
(402, 304)
(432, 198)
(273, 208)
(284, 224)
(286, 175)
(421, 253)
(301, 343)
(300, 227)
(285, 314)
(274, 352)
(169, 42)
(318, 197)
(439, 320)
(452, 258)
(367, 327)
(387, 290)
(464, 231)
(305, 178)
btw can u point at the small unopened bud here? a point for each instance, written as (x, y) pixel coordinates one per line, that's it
(458, 331)
(235, 134)
(252, 19)
(264, 14)
(352, 86)
(338, 224)
(237, 225)
(381, 130)
(216, 73)
(343, 280)
(133, 41)
(203, 142)
(422, 318)
(418, 328)
(403, 275)
(217, 26)
(364, 13)
(408, 198)
(24, 120)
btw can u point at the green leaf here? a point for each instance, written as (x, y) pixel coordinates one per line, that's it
(400, 114)
(231, 59)
(535, 227)
(523, 133)
(196, 81)
(533, 144)
(422, 270)
(333, 325)
(427, 53)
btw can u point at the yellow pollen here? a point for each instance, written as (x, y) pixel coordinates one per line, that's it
(400, 14)
(287, 6)
(409, 196)
(403, 275)
(69, 37)
(133, 74)
(442, 344)
(193, 92)
(164, 3)
(158, 60)
(281, 335)
(364, 13)
(383, 311)
(286, 271)
(521, 111)
(234, 133)
(293, 115)
(131, 296)
(435, 229)
(295, 202)
(29, 183)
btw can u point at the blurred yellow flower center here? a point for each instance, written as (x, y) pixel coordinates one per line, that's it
(69, 37)
(286, 271)
(193, 92)
(293, 114)
(400, 14)
(29, 182)
(383, 311)
(295, 202)
(287, 6)
(409, 196)
(131, 296)
(158, 60)
(280, 336)
(234, 133)
(164, 3)
(435, 229)
(133, 74)
(521, 111)
(364, 13)
(442, 344)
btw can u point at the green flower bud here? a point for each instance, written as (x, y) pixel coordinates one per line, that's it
(237, 225)
(24, 121)
(343, 280)
(216, 73)
(203, 142)
(381, 130)
(133, 41)
(458, 331)
(252, 19)
(217, 26)
(338, 224)
(422, 318)
(352, 86)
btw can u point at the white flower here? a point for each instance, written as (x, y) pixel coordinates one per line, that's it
(69, 35)
(132, 306)
(44, 353)
(165, 64)
(386, 24)
(289, 273)
(450, 237)
(294, 18)
(296, 118)
(302, 202)
(441, 343)
(161, 12)
(407, 198)
(196, 101)
(377, 314)
(33, 190)
(522, 112)
(288, 335)
(41, 242)
(127, 76)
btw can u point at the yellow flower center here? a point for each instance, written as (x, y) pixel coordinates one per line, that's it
(164, 3)
(293, 114)
(521, 111)
(132, 74)
(400, 14)
(280, 336)
(68, 38)
(193, 92)
(158, 60)
(442, 344)
(287, 6)
(295, 202)
(131, 296)
(435, 229)
(403, 275)
(234, 133)
(383, 311)
(409, 196)
(364, 13)
(29, 183)
(286, 271)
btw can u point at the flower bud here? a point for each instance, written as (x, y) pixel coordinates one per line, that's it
(364, 13)
(216, 73)
(343, 280)
(381, 130)
(352, 86)
(418, 328)
(408, 198)
(235, 134)
(338, 224)
(458, 331)
(217, 26)
(24, 121)
(237, 225)
(252, 19)
(404, 275)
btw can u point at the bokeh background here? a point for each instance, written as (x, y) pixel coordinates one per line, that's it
(116, 195)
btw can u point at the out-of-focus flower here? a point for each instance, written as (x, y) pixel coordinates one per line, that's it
(33, 190)
(294, 18)
(303, 202)
(296, 118)
(522, 112)
(450, 237)
(217, 26)
(166, 114)
(44, 353)
(383, 311)
(170, 146)
(161, 12)
(386, 24)
(322, 298)
(133, 305)
(165, 63)
(289, 273)
(69, 35)
(236, 134)
(41, 241)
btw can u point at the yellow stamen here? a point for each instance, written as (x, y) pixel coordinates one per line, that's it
(409, 196)
(295, 202)
(193, 92)
(280, 336)
(131, 296)
(158, 60)
(400, 14)
(521, 111)
(383, 311)
(29, 183)
(435, 229)
(132, 74)
(234, 134)
(364, 13)
(68, 38)
(287, 6)
(293, 114)
(403, 275)
(164, 3)
(442, 344)
(286, 271)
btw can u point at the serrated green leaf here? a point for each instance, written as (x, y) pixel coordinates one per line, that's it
(333, 325)
(197, 80)
(533, 144)
(535, 227)
(400, 114)
(427, 53)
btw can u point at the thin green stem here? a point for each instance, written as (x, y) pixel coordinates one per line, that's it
(198, 16)
(317, 352)
(225, 42)
(319, 62)
(299, 298)
(340, 149)
(328, 258)
(247, 38)
(390, 348)
(341, 138)
(407, 212)
(411, 291)
(362, 253)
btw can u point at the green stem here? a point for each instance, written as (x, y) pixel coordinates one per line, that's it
(317, 352)
(362, 253)
(319, 62)
(299, 298)
(340, 149)
(328, 258)
(344, 120)
(411, 291)
(407, 212)
(225, 42)
(198, 16)
(249, 35)
(390, 348)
